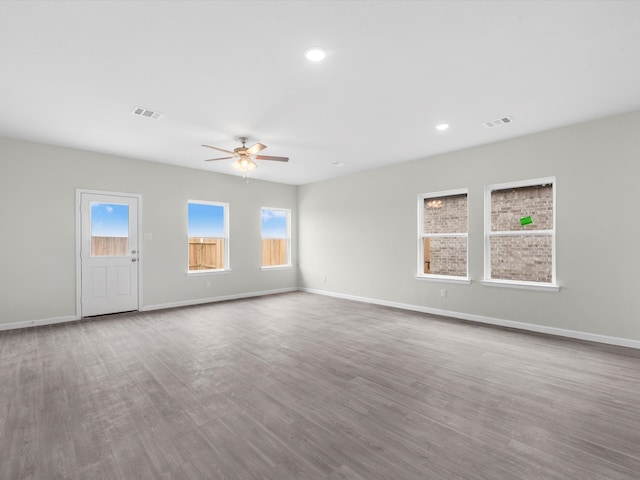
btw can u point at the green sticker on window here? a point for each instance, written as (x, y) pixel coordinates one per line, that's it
(526, 220)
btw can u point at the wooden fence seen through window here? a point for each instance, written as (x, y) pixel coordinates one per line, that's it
(206, 253)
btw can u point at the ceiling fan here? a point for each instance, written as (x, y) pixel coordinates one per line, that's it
(245, 156)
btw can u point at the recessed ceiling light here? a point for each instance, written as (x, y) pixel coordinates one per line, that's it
(442, 127)
(315, 54)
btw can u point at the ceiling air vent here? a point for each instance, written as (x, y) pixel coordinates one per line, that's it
(498, 122)
(145, 112)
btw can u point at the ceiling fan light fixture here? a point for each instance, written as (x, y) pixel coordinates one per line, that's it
(244, 164)
(315, 54)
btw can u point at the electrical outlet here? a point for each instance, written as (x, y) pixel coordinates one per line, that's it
(207, 283)
(443, 293)
(324, 279)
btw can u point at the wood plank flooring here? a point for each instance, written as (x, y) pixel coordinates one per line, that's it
(300, 386)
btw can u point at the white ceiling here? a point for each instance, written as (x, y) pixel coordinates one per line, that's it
(73, 71)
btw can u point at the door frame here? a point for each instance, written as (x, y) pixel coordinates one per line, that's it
(79, 192)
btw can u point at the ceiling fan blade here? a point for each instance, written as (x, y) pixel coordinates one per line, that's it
(256, 148)
(219, 149)
(213, 159)
(268, 157)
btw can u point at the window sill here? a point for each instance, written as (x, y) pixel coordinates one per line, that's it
(445, 279)
(208, 272)
(548, 287)
(276, 267)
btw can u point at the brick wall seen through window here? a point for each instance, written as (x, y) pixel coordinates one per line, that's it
(522, 233)
(444, 235)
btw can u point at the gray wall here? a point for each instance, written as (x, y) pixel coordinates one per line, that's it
(37, 257)
(360, 231)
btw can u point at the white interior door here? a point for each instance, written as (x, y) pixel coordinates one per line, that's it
(109, 254)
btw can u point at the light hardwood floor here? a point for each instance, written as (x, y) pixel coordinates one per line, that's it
(299, 386)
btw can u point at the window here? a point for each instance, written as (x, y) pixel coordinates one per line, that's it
(520, 233)
(443, 235)
(276, 237)
(109, 229)
(208, 231)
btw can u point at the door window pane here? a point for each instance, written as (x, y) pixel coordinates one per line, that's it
(109, 229)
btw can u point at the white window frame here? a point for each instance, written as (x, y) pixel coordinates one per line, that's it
(488, 189)
(227, 256)
(288, 238)
(421, 236)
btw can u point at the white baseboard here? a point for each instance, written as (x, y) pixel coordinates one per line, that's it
(186, 303)
(38, 322)
(591, 337)
(199, 301)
